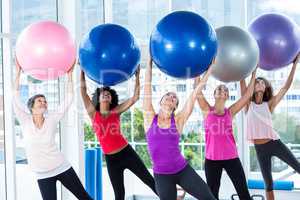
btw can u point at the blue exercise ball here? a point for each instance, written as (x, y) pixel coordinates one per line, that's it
(109, 54)
(183, 44)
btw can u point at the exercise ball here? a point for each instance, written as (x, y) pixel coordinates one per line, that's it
(45, 50)
(237, 54)
(109, 54)
(278, 38)
(183, 44)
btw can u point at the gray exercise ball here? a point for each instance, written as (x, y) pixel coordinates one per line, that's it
(237, 54)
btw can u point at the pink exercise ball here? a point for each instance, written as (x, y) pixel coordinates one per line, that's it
(45, 50)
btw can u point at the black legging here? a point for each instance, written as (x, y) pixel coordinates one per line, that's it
(69, 179)
(188, 179)
(234, 169)
(264, 154)
(126, 159)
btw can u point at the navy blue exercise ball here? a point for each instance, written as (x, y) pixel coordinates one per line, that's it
(109, 54)
(183, 44)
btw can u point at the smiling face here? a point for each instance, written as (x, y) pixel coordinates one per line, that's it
(105, 97)
(221, 93)
(39, 105)
(260, 85)
(169, 102)
(264, 88)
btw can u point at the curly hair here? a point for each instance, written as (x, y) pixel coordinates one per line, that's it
(114, 97)
(32, 99)
(268, 94)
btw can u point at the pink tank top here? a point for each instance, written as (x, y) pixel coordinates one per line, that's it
(259, 122)
(219, 138)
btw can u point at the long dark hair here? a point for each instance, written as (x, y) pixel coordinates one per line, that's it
(268, 94)
(32, 99)
(114, 97)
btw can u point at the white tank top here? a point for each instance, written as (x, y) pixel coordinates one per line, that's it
(259, 122)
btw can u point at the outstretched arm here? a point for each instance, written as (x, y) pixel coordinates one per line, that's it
(90, 108)
(245, 98)
(202, 102)
(129, 102)
(276, 99)
(147, 103)
(19, 107)
(185, 113)
(243, 87)
(18, 75)
(67, 98)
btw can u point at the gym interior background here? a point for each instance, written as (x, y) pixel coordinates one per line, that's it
(139, 17)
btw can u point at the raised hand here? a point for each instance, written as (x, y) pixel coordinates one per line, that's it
(137, 73)
(297, 59)
(18, 66)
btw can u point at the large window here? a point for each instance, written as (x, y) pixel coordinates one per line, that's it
(286, 116)
(92, 14)
(2, 133)
(140, 17)
(25, 12)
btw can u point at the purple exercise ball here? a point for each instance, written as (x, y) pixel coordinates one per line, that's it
(278, 39)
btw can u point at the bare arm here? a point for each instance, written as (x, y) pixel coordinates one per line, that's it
(85, 97)
(184, 114)
(203, 103)
(277, 98)
(129, 102)
(243, 87)
(147, 103)
(236, 107)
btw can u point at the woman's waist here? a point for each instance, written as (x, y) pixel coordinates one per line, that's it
(219, 137)
(110, 137)
(112, 150)
(166, 160)
(161, 155)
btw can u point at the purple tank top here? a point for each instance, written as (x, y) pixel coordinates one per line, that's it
(163, 146)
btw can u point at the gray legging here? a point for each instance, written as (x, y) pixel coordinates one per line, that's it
(188, 179)
(264, 154)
